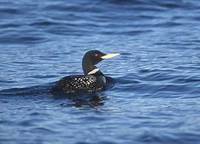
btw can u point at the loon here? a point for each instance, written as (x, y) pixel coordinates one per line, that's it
(93, 79)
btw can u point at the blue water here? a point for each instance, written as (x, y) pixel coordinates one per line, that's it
(156, 97)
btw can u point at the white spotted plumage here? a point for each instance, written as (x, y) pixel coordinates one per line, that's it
(79, 82)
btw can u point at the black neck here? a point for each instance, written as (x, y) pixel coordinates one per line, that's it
(87, 66)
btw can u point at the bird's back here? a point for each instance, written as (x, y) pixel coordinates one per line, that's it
(79, 83)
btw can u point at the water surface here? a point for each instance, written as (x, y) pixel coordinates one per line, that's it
(156, 98)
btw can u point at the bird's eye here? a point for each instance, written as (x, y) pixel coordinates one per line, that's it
(96, 55)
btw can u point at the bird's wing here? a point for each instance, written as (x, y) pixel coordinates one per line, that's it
(83, 82)
(80, 82)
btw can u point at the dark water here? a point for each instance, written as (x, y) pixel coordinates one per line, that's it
(156, 98)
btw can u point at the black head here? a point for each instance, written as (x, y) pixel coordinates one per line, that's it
(93, 57)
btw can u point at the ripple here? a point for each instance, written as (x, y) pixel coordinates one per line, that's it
(43, 130)
(13, 39)
(11, 11)
(44, 23)
(34, 90)
(168, 24)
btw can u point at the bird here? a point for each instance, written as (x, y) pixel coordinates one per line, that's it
(92, 80)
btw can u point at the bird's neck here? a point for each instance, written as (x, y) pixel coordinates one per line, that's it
(87, 66)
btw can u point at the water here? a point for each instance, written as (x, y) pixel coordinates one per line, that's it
(156, 98)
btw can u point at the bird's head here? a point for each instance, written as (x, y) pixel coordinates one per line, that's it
(93, 57)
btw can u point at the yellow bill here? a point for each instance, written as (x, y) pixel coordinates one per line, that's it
(111, 55)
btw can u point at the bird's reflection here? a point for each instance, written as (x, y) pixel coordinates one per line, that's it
(92, 100)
